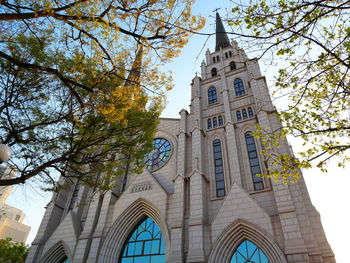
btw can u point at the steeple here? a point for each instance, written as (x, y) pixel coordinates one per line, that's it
(222, 40)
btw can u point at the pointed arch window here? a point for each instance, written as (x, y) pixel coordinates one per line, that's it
(214, 72)
(145, 244)
(232, 65)
(254, 162)
(238, 115)
(221, 122)
(209, 124)
(239, 87)
(244, 113)
(250, 112)
(212, 98)
(249, 252)
(219, 169)
(215, 122)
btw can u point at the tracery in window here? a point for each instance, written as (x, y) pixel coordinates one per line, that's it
(232, 65)
(219, 169)
(238, 115)
(248, 252)
(212, 98)
(145, 244)
(244, 113)
(250, 112)
(214, 72)
(254, 162)
(239, 87)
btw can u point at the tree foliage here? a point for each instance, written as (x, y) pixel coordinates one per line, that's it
(12, 252)
(312, 37)
(81, 87)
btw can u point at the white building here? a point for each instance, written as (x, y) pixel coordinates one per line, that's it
(11, 218)
(200, 199)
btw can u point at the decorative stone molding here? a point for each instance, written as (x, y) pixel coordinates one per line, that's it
(236, 233)
(125, 223)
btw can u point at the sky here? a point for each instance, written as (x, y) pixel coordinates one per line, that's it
(329, 192)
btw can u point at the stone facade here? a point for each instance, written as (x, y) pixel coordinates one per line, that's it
(181, 197)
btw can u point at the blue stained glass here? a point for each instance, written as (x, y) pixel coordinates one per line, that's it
(145, 244)
(162, 248)
(158, 259)
(138, 248)
(248, 252)
(131, 249)
(147, 248)
(66, 260)
(159, 155)
(142, 259)
(155, 246)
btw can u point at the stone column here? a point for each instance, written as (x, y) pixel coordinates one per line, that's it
(198, 185)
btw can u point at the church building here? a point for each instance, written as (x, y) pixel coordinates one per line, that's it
(199, 198)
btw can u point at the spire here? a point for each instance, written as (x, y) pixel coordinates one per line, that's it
(135, 71)
(222, 40)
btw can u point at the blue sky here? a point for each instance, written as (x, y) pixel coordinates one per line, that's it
(329, 192)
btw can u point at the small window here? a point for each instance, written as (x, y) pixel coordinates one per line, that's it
(213, 59)
(250, 112)
(238, 115)
(232, 65)
(239, 88)
(244, 113)
(17, 217)
(212, 98)
(215, 123)
(220, 121)
(217, 58)
(214, 72)
(219, 169)
(209, 124)
(226, 55)
(230, 53)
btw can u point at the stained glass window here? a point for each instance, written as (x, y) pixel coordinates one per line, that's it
(160, 154)
(248, 252)
(239, 88)
(219, 169)
(254, 162)
(144, 245)
(212, 98)
(65, 260)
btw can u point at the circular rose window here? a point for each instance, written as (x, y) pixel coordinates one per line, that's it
(160, 154)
